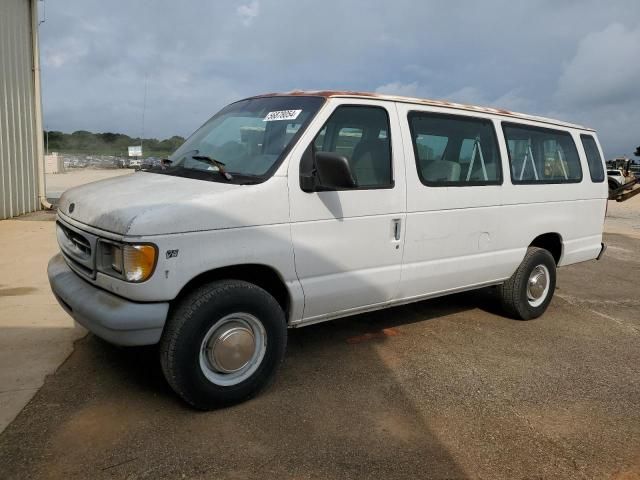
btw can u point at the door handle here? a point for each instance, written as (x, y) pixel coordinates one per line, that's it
(396, 228)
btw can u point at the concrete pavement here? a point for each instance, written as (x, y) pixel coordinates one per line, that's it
(624, 217)
(57, 183)
(36, 335)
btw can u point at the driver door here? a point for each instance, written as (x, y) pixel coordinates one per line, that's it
(349, 243)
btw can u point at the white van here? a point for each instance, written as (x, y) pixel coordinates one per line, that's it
(285, 210)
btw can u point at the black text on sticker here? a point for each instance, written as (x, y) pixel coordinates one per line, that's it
(282, 115)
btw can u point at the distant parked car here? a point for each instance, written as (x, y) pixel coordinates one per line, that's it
(616, 179)
(135, 163)
(150, 162)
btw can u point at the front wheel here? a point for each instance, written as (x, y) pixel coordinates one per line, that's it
(223, 344)
(527, 294)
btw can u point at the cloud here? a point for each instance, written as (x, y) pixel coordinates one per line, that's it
(68, 51)
(472, 95)
(512, 100)
(413, 89)
(536, 58)
(605, 69)
(468, 94)
(599, 87)
(248, 12)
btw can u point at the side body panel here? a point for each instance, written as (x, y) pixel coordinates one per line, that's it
(461, 237)
(573, 210)
(455, 234)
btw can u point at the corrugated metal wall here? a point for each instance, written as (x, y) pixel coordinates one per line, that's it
(18, 153)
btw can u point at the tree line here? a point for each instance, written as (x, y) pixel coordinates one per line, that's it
(84, 142)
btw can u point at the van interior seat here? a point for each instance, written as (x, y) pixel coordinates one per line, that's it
(478, 175)
(370, 162)
(441, 170)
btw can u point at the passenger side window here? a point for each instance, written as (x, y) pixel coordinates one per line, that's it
(594, 160)
(362, 135)
(452, 150)
(541, 155)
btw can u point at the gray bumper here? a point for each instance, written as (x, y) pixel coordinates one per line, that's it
(110, 317)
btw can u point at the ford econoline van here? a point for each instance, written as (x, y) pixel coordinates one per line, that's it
(285, 210)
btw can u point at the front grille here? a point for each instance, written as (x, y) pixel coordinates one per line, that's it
(78, 267)
(78, 248)
(80, 243)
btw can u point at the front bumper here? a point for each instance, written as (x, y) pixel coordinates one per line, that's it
(109, 316)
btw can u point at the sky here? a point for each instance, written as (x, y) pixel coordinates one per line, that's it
(572, 60)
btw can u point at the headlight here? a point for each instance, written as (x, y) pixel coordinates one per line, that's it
(116, 258)
(130, 262)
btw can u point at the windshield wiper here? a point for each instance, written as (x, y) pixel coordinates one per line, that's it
(215, 163)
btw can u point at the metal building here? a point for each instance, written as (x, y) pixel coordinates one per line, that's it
(21, 151)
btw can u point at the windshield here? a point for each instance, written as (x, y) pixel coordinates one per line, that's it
(245, 141)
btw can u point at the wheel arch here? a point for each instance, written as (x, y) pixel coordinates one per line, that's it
(264, 276)
(613, 184)
(552, 242)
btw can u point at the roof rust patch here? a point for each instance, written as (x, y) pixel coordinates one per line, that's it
(422, 101)
(321, 93)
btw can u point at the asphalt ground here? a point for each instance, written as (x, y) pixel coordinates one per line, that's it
(446, 388)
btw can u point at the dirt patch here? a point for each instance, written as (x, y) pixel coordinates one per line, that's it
(16, 292)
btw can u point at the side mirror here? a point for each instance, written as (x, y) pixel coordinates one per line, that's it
(333, 172)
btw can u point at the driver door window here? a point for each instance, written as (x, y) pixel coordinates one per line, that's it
(361, 134)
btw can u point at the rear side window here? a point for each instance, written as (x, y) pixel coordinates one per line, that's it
(541, 155)
(596, 170)
(453, 150)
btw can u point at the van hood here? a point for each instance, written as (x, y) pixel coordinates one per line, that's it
(144, 204)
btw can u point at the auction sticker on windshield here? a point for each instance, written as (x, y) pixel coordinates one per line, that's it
(282, 115)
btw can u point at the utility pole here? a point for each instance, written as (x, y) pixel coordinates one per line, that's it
(144, 107)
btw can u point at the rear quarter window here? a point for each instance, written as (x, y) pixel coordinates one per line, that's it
(541, 155)
(594, 160)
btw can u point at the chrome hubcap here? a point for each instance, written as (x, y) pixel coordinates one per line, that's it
(538, 285)
(232, 349)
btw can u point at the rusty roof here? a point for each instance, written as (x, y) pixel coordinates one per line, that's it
(424, 101)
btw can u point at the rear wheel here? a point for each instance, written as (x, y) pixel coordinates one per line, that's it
(529, 291)
(223, 344)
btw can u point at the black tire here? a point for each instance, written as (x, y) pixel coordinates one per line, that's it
(187, 327)
(514, 294)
